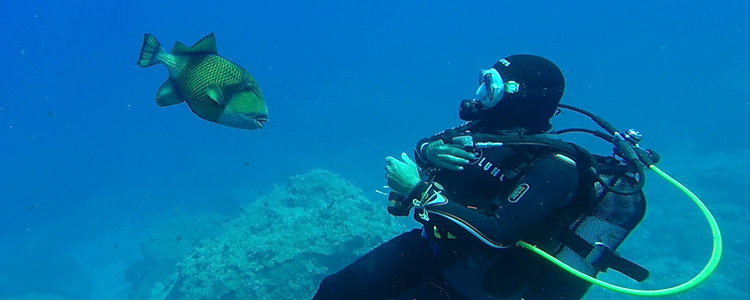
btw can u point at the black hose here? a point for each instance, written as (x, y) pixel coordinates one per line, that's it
(596, 133)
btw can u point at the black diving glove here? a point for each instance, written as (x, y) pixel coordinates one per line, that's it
(397, 205)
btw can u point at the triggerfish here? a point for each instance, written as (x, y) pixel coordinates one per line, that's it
(214, 88)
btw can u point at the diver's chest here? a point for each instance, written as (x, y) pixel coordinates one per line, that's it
(493, 172)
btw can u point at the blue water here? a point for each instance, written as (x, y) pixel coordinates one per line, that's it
(89, 163)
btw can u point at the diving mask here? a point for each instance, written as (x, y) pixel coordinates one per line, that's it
(492, 88)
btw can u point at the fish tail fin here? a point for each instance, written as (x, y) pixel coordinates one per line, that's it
(151, 51)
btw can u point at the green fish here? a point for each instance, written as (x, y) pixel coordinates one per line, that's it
(214, 88)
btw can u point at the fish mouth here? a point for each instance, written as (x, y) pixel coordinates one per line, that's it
(261, 119)
(243, 121)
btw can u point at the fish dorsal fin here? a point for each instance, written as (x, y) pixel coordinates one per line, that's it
(179, 48)
(205, 45)
(215, 93)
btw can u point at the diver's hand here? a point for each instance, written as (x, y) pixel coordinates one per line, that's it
(402, 176)
(451, 157)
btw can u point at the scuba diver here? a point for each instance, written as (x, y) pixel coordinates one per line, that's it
(503, 183)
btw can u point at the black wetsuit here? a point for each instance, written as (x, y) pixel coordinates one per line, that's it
(466, 250)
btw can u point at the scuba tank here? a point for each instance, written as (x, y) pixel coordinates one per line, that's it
(623, 188)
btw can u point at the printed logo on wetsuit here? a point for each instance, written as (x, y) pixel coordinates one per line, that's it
(520, 190)
(487, 166)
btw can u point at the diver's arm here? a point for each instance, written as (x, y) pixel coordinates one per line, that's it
(549, 186)
(419, 158)
(445, 136)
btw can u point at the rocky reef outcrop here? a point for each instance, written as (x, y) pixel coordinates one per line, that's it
(283, 244)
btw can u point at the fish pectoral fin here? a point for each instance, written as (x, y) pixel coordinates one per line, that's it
(166, 95)
(215, 93)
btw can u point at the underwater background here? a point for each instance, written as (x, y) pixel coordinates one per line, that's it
(105, 195)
